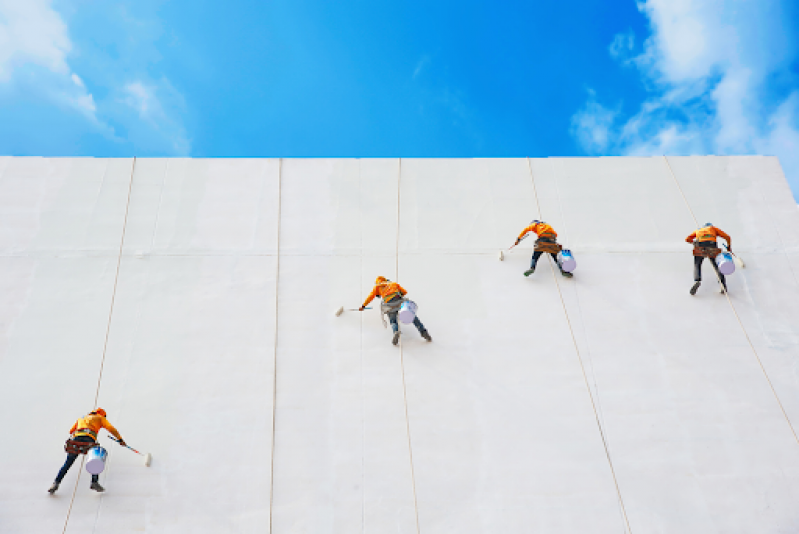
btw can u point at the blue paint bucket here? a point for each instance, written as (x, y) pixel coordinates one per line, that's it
(566, 260)
(95, 460)
(407, 311)
(725, 263)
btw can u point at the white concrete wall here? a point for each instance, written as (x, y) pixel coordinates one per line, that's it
(193, 299)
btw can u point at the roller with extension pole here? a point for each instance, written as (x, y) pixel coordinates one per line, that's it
(148, 458)
(341, 310)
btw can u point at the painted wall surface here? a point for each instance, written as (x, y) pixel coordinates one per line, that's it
(193, 300)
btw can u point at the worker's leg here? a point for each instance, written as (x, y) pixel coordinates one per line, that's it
(698, 268)
(392, 318)
(422, 330)
(67, 464)
(534, 260)
(697, 273)
(71, 459)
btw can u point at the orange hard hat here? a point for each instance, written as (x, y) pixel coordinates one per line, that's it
(99, 411)
(380, 280)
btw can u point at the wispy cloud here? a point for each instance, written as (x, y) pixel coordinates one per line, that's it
(710, 67)
(151, 103)
(33, 34)
(35, 48)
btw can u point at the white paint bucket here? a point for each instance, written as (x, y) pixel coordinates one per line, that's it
(407, 311)
(566, 260)
(95, 460)
(725, 263)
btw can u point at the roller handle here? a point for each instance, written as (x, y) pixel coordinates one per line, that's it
(112, 438)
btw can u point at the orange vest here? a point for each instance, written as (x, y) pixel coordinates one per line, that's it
(706, 234)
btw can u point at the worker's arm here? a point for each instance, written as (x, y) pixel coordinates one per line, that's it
(108, 426)
(370, 298)
(690, 238)
(402, 290)
(524, 233)
(722, 234)
(74, 427)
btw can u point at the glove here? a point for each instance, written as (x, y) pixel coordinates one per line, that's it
(122, 442)
(518, 241)
(361, 308)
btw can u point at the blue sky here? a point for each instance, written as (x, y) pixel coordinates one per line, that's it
(416, 79)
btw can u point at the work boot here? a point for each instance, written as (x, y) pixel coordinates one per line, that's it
(97, 487)
(529, 271)
(722, 288)
(426, 335)
(695, 287)
(564, 273)
(54, 488)
(396, 338)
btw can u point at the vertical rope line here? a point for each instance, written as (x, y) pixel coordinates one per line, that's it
(734, 311)
(582, 368)
(360, 348)
(116, 280)
(402, 358)
(576, 293)
(274, 352)
(74, 491)
(107, 330)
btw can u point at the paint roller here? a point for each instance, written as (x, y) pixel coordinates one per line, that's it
(341, 310)
(148, 458)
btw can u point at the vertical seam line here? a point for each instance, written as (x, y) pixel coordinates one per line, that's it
(734, 311)
(402, 357)
(582, 368)
(274, 352)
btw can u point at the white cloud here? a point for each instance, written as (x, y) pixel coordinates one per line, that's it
(710, 66)
(32, 32)
(35, 48)
(592, 125)
(622, 45)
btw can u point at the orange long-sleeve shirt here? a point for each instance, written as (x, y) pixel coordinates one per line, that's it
(540, 229)
(383, 290)
(93, 422)
(708, 233)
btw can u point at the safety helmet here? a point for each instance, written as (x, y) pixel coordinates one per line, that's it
(381, 280)
(99, 411)
(707, 225)
(536, 221)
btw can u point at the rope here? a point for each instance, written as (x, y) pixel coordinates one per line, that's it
(734, 311)
(582, 368)
(107, 332)
(274, 367)
(116, 280)
(360, 348)
(402, 358)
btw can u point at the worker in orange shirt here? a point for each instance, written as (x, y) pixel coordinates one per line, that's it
(547, 238)
(705, 238)
(393, 295)
(83, 436)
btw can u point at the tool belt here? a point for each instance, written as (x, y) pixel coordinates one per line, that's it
(78, 447)
(547, 245)
(706, 252)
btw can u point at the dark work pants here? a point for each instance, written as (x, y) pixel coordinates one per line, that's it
(71, 460)
(392, 317)
(698, 265)
(537, 255)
